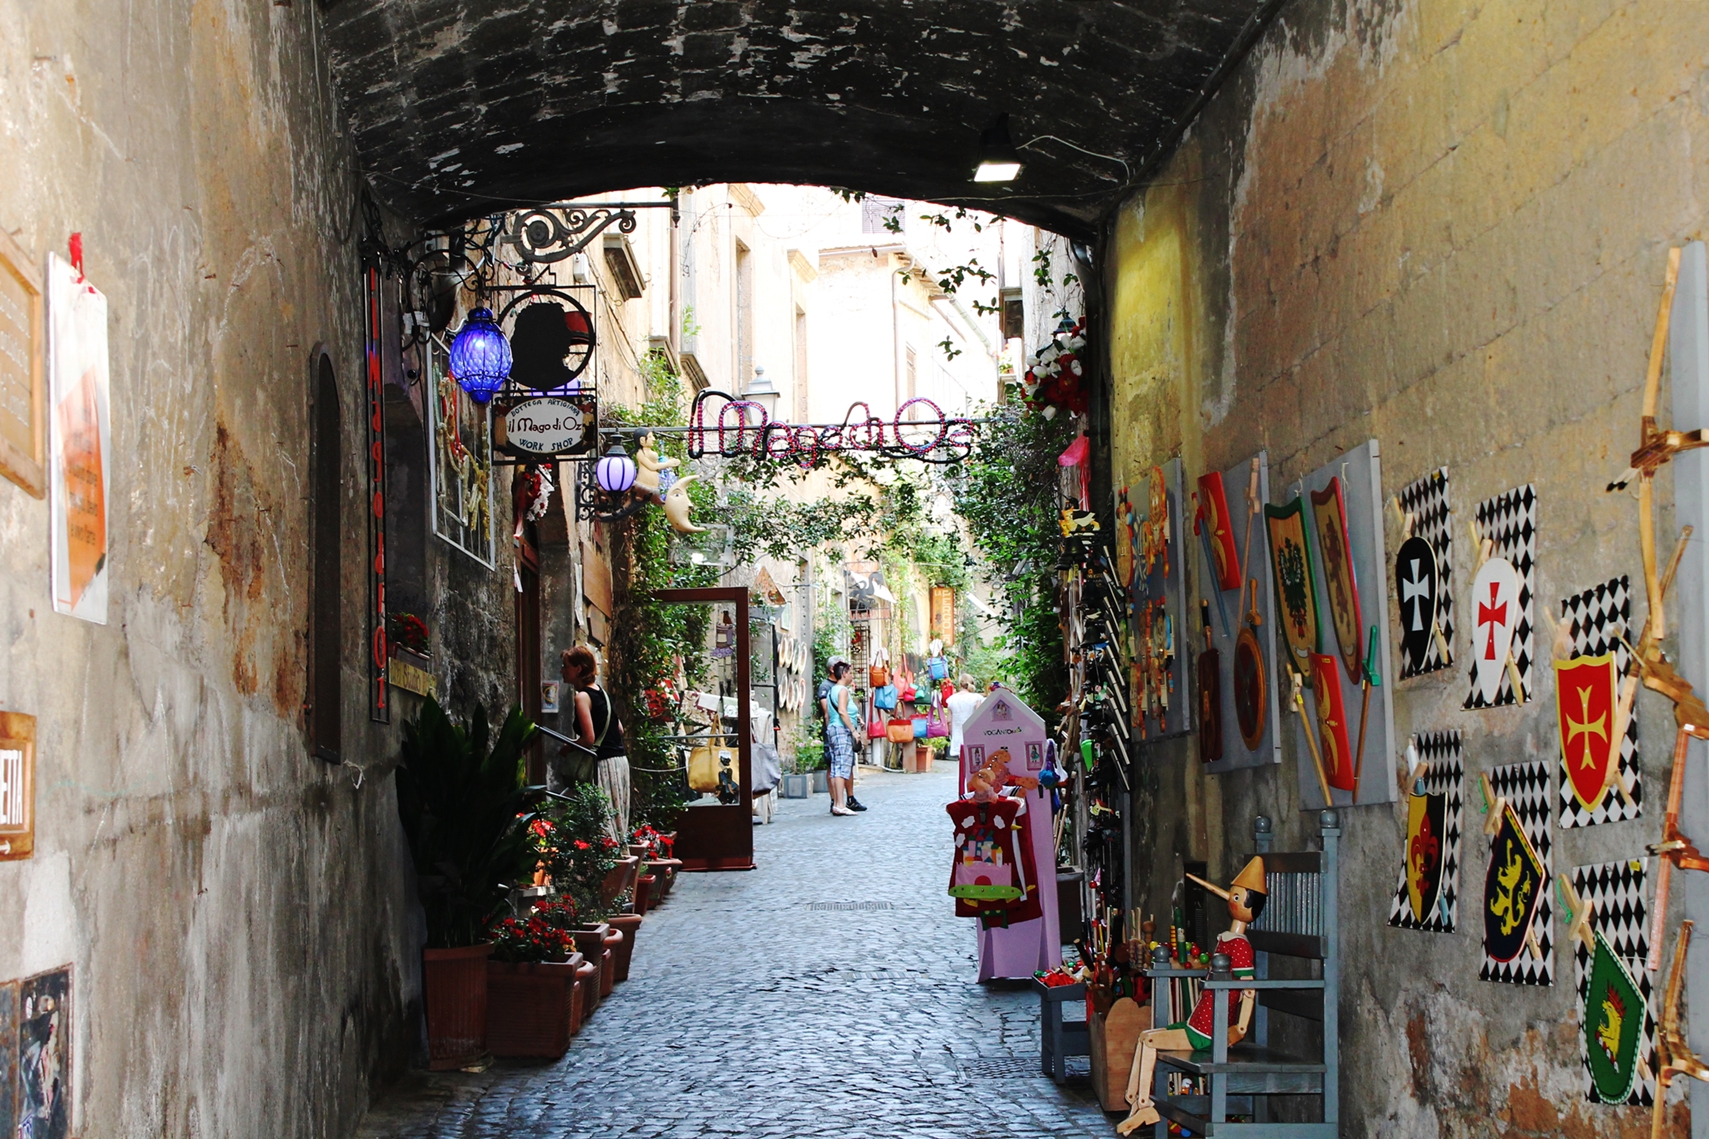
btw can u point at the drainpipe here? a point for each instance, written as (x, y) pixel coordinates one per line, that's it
(895, 339)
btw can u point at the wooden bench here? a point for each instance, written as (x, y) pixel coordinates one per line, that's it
(1299, 921)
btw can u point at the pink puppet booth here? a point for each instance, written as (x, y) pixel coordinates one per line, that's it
(1029, 936)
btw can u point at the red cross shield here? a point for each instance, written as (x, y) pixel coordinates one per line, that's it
(1585, 690)
(1495, 613)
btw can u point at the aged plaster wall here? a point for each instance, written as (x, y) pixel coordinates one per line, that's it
(234, 910)
(1443, 225)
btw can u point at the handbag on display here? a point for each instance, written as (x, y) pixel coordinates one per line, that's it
(937, 727)
(875, 727)
(900, 731)
(922, 726)
(878, 675)
(885, 697)
(709, 762)
(939, 668)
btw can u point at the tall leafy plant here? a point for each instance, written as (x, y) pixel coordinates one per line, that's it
(461, 803)
(1008, 491)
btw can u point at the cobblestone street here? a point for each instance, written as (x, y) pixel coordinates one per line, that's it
(830, 992)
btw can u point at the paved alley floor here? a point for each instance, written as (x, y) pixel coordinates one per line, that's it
(830, 992)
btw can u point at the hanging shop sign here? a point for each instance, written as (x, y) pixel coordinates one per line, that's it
(919, 430)
(17, 785)
(379, 704)
(943, 614)
(548, 428)
(23, 444)
(81, 439)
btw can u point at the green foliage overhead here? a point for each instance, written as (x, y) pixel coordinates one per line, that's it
(461, 806)
(1007, 490)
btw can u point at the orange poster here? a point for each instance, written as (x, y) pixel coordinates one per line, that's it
(77, 372)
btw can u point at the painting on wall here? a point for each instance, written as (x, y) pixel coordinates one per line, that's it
(1518, 941)
(1619, 913)
(1424, 576)
(43, 1057)
(1427, 897)
(1597, 621)
(1503, 635)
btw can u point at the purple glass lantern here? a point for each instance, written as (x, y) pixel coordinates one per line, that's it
(480, 356)
(615, 471)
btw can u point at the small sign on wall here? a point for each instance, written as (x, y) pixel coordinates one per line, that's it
(23, 442)
(17, 785)
(81, 441)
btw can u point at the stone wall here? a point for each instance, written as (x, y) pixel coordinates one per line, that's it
(1445, 226)
(234, 910)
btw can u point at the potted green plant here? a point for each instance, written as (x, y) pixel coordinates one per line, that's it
(531, 982)
(580, 855)
(460, 802)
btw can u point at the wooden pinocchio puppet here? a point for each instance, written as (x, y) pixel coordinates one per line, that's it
(1246, 897)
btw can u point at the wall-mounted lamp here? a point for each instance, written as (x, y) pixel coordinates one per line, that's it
(615, 471)
(480, 356)
(761, 391)
(999, 161)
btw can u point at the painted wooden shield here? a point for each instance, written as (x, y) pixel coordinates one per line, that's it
(1585, 689)
(1210, 706)
(1213, 519)
(1513, 888)
(1290, 564)
(1335, 558)
(1332, 721)
(1250, 690)
(1415, 585)
(1426, 844)
(1495, 613)
(1613, 1025)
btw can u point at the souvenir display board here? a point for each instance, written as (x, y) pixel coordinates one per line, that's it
(1509, 885)
(1248, 705)
(79, 442)
(1004, 730)
(1424, 577)
(1154, 533)
(1509, 520)
(1427, 897)
(1587, 689)
(1351, 591)
(1616, 893)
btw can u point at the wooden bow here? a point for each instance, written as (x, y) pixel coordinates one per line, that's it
(1673, 1056)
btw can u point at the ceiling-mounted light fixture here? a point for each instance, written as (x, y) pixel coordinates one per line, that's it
(999, 161)
(480, 356)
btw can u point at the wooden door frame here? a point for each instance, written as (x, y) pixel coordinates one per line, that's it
(722, 837)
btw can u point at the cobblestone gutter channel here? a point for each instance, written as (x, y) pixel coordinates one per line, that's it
(754, 1009)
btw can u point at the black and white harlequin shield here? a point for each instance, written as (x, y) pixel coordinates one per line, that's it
(1415, 585)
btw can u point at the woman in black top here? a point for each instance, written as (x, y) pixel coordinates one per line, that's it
(598, 727)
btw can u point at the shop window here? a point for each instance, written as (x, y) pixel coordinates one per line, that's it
(326, 629)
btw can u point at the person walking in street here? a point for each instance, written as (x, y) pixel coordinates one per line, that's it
(598, 727)
(960, 707)
(824, 697)
(839, 738)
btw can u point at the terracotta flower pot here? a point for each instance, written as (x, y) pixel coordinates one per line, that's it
(664, 869)
(608, 963)
(644, 887)
(590, 943)
(528, 1008)
(628, 925)
(621, 878)
(456, 997)
(587, 992)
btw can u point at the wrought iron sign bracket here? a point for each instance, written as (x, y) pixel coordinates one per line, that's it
(550, 234)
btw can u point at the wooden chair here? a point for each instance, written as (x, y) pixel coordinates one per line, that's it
(1300, 921)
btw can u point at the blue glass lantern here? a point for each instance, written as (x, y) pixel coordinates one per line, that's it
(615, 471)
(480, 356)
